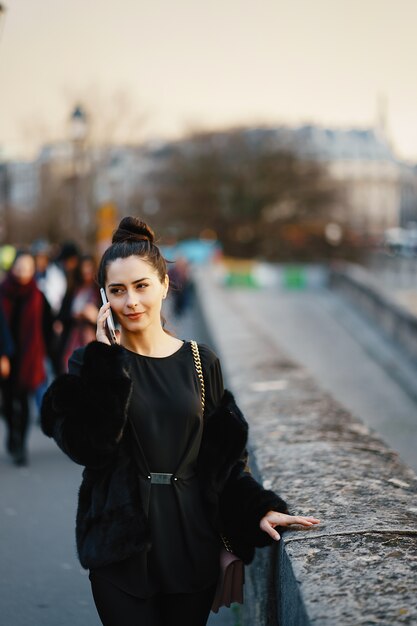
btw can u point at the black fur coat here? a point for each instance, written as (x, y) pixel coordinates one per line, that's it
(87, 417)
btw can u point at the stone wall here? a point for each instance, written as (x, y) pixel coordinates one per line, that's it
(359, 566)
(356, 284)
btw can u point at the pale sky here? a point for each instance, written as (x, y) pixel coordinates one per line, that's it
(209, 62)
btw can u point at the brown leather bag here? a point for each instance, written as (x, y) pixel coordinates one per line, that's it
(232, 571)
(231, 580)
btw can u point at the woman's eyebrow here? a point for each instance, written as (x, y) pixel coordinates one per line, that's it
(139, 280)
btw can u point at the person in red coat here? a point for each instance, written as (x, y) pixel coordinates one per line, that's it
(28, 316)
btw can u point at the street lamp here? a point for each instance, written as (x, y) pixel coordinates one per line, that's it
(2, 16)
(79, 124)
(80, 208)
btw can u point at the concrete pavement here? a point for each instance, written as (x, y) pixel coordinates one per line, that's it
(41, 581)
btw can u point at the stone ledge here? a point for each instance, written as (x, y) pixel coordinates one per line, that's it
(360, 288)
(326, 463)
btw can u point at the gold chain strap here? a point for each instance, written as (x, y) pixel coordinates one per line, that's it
(226, 543)
(199, 370)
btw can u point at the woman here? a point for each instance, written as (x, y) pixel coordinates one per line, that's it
(162, 481)
(29, 318)
(82, 309)
(67, 261)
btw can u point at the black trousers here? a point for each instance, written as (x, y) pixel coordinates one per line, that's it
(117, 608)
(16, 412)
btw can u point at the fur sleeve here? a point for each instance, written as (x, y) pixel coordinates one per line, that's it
(223, 466)
(244, 502)
(86, 414)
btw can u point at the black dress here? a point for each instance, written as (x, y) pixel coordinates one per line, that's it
(166, 413)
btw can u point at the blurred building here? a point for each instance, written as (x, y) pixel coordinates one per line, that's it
(59, 185)
(408, 215)
(123, 175)
(19, 185)
(58, 158)
(19, 194)
(23, 185)
(379, 190)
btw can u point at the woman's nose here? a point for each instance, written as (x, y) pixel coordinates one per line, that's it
(132, 300)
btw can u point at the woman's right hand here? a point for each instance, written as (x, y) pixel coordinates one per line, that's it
(101, 333)
(273, 518)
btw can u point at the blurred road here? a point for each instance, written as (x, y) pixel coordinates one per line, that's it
(41, 581)
(345, 354)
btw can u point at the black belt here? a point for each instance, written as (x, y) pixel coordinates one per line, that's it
(159, 478)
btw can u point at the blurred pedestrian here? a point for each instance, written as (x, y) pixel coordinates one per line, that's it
(68, 260)
(6, 347)
(164, 449)
(50, 278)
(82, 309)
(182, 286)
(29, 319)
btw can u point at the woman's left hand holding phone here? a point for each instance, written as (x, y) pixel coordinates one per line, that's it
(102, 329)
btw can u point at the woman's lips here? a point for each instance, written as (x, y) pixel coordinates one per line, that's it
(134, 316)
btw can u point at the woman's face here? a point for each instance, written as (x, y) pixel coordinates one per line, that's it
(135, 293)
(24, 269)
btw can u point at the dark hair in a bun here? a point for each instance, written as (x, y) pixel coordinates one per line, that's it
(132, 238)
(133, 229)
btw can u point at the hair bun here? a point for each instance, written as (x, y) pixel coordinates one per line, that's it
(133, 229)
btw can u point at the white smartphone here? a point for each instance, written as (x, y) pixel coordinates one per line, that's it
(110, 321)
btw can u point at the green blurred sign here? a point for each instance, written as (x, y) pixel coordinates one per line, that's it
(294, 277)
(240, 279)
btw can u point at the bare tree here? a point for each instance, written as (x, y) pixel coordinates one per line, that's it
(254, 193)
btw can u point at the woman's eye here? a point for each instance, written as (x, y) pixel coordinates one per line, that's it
(115, 291)
(141, 285)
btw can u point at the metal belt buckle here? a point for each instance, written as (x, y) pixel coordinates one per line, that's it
(161, 478)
